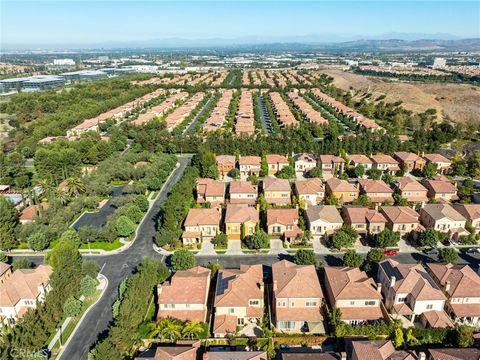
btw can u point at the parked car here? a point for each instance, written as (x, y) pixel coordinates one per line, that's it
(473, 250)
(453, 243)
(390, 252)
(431, 251)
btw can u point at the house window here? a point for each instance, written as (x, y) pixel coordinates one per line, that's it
(276, 229)
(284, 195)
(254, 302)
(169, 306)
(289, 227)
(311, 303)
(281, 303)
(231, 310)
(402, 299)
(288, 325)
(352, 302)
(429, 307)
(187, 306)
(369, 303)
(234, 228)
(240, 321)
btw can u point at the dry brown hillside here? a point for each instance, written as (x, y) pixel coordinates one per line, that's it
(460, 103)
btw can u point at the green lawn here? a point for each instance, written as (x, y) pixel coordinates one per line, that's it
(100, 245)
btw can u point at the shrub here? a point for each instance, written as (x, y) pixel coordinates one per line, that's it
(386, 238)
(134, 213)
(88, 285)
(352, 259)
(3, 257)
(38, 241)
(21, 264)
(260, 239)
(142, 202)
(90, 268)
(124, 226)
(429, 237)
(448, 255)
(183, 260)
(72, 307)
(304, 257)
(220, 240)
(344, 238)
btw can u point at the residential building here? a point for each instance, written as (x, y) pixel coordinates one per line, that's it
(342, 190)
(443, 164)
(240, 221)
(275, 163)
(249, 165)
(283, 223)
(304, 163)
(235, 355)
(243, 192)
(401, 219)
(377, 191)
(440, 189)
(201, 224)
(443, 218)
(409, 161)
(308, 354)
(408, 289)
(453, 354)
(436, 319)
(5, 271)
(185, 295)
(22, 290)
(239, 294)
(471, 212)
(310, 191)
(277, 191)
(225, 164)
(363, 160)
(173, 352)
(364, 349)
(297, 298)
(210, 191)
(363, 220)
(411, 190)
(331, 165)
(385, 163)
(461, 286)
(31, 212)
(354, 293)
(323, 220)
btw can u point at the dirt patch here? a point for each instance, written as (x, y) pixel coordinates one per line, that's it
(458, 102)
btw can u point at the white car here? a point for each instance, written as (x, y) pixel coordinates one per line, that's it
(453, 243)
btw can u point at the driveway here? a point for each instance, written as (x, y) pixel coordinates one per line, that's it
(234, 247)
(276, 247)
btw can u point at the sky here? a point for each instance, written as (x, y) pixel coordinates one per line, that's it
(90, 22)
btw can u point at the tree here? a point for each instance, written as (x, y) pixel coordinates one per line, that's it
(90, 268)
(220, 240)
(192, 329)
(448, 256)
(264, 167)
(142, 202)
(352, 259)
(72, 307)
(375, 255)
(40, 355)
(234, 173)
(183, 260)
(429, 237)
(398, 340)
(315, 172)
(8, 223)
(374, 174)
(74, 186)
(386, 238)
(134, 213)
(38, 241)
(260, 239)
(88, 285)
(362, 200)
(124, 226)
(70, 235)
(287, 172)
(399, 200)
(343, 238)
(430, 170)
(3, 257)
(21, 264)
(464, 336)
(304, 257)
(359, 171)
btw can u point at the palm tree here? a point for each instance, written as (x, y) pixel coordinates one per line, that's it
(61, 196)
(167, 328)
(46, 186)
(74, 186)
(192, 329)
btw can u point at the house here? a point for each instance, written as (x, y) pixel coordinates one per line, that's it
(323, 220)
(283, 223)
(385, 163)
(461, 286)
(310, 191)
(443, 164)
(364, 349)
(31, 212)
(210, 191)
(363, 160)
(5, 271)
(304, 163)
(173, 352)
(225, 164)
(185, 295)
(409, 161)
(331, 165)
(436, 319)
(444, 218)
(235, 355)
(277, 191)
(297, 298)
(401, 219)
(342, 190)
(240, 221)
(275, 163)
(201, 224)
(471, 212)
(377, 191)
(363, 220)
(20, 292)
(307, 354)
(411, 190)
(354, 293)
(243, 192)
(249, 165)
(408, 289)
(453, 354)
(440, 189)
(238, 298)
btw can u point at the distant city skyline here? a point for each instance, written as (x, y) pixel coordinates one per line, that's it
(102, 23)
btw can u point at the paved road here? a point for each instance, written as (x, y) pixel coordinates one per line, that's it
(266, 122)
(200, 113)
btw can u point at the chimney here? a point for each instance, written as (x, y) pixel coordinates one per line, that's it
(275, 285)
(422, 355)
(205, 356)
(343, 355)
(393, 279)
(261, 286)
(379, 288)
(447, 286)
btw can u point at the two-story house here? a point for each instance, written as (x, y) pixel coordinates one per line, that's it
(354, 293)
(277, 191)
(310, 191)
(200, 224)
(471, 212)
(238, 298)
(185, 295)
(401, 219)
(440, 189)
(21, 291)
(342, 190)
(408, 289)
(461, 286)
(240, 221)
(443, 218)
(409, 161)
(363, 220)
(275, 163)
(31, 212)
(249, 165)
(5, 271)
(377, 191)
(331, 165)
(363, 349)
(323, 220)
(358, 159)
(443, 164)
(304, 163)
(297, 298)
(411, 190)
(210, 191)
(225, 164)
(283, 223)
(385, 163)
(243, 192)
